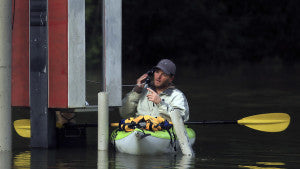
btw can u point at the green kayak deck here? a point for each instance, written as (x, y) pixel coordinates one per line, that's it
(164, 134)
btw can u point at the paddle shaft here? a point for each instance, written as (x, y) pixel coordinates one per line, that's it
(211, 122)
(82, 125)
(194, 123)
(190, 122)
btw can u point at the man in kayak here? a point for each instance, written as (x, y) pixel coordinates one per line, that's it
(159, 97)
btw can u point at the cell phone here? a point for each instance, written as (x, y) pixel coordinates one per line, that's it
(150, 75)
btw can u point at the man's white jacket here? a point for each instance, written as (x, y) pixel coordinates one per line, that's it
(172, 99)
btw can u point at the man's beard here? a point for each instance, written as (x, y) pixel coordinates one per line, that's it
(164, 85)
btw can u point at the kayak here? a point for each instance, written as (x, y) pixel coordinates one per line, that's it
(140, 141)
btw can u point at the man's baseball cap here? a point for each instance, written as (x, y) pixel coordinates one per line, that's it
(167, 66)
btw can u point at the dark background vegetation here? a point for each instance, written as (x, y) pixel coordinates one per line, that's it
(233, 57)
(203, 32)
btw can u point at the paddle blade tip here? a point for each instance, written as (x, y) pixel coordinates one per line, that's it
(269, 122)
(22, 127)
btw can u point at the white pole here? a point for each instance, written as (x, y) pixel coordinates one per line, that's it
(181, 133)
(5, 159)
(5, 74)
(102, 162)
(112, 52)
(103, 125)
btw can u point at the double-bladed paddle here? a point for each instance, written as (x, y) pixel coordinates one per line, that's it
(269, 122)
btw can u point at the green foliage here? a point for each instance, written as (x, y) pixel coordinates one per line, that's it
(199, 32)
(93, 15)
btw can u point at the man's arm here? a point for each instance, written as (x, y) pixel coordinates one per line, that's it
(177, 101)
(130, 102)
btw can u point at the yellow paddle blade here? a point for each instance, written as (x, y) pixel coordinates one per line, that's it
(270, 122)
(22, 127)
(114, 124)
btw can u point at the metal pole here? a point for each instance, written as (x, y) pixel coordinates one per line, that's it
(181, 133)
(102, 160)
(112, 51)
(103, 121)
(5, 159)
(41, 119)
(5, 75)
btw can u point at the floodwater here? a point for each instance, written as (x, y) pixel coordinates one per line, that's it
(213, 94)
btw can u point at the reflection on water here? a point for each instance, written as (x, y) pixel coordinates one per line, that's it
(22, 160)
(153, 161)
(71, 158)
(185, 162)
(265, 165)
(92, 158)
(37, 158)
(271, 163)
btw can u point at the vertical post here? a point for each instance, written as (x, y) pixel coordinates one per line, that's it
(181, 133)
(102, 162)
(103, 121)
(42, 121)
(5, 159)
(5, 75)
(76, 53)
(112, 57)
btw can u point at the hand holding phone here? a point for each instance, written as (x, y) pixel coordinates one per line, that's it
(150, 74)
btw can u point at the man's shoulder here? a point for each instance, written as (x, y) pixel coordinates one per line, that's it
(175, 91)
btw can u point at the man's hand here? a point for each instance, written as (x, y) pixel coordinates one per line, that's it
(153, 96)
(140, 79)
(139, 85)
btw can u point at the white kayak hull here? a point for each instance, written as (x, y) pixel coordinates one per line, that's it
(137, 143)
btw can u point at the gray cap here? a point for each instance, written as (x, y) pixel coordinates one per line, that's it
(167, 66)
